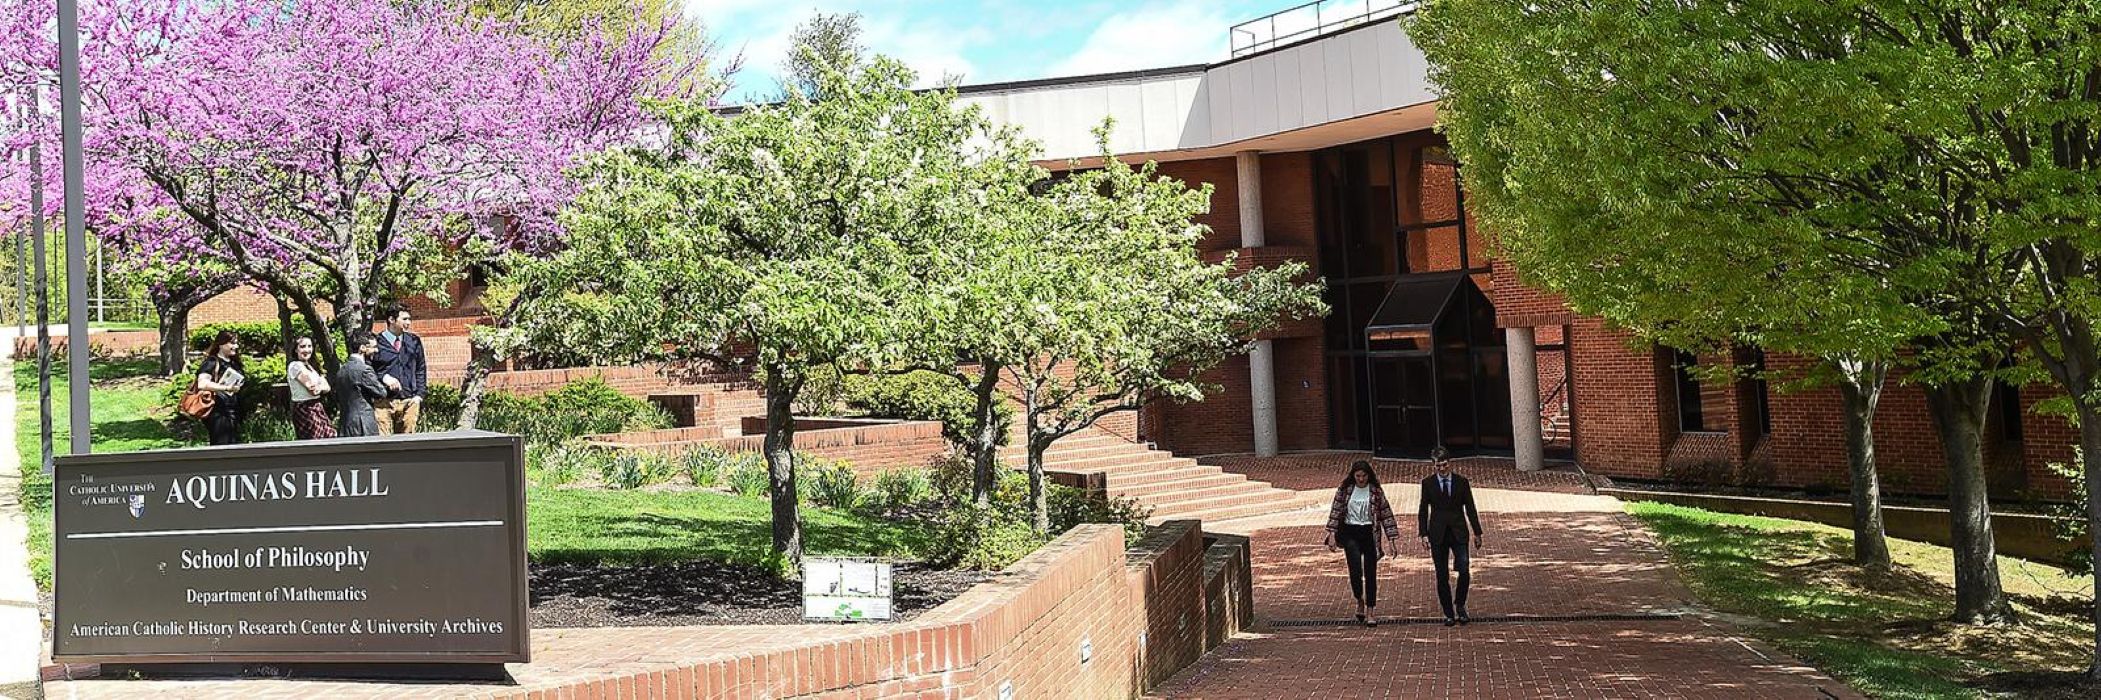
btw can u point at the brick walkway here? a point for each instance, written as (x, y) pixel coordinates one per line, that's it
(1548, 555)
(1324, 469)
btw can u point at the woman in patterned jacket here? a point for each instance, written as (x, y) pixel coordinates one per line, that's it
(1356, 520)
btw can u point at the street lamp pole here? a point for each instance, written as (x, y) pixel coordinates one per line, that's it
(76, 222)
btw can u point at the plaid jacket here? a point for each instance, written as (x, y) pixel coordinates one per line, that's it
(1381, 512)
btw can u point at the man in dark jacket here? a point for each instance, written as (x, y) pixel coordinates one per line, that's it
(1442, 519)
(356, 386)
(401, 366)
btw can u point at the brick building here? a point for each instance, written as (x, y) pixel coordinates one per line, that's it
(1320, 147)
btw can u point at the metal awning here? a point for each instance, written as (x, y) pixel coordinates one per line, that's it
(1416, 302)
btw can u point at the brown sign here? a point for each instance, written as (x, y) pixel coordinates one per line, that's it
(406, 549)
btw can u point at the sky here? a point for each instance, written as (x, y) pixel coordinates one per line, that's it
(986, 41)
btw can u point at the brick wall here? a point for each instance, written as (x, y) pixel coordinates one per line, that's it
(99, 344)
(867, 446)
(1618, 410)
(1142, 612)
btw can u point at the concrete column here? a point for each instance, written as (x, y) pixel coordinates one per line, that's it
(1524, 398)
(1261, 361)
(1249, 166)
(1262, 390)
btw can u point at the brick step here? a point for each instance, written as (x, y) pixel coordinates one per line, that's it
(1076, 444)
(1120, 462)
(1154, 476)
(1062, 450)
(1231, 513)
(1157, 489)
(1199, 494)
(1249, 502)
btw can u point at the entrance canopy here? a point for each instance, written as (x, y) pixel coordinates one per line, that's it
(1436, 365)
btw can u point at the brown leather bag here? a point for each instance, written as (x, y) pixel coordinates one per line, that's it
(196, 403)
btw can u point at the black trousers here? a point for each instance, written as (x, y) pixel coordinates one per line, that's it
(1451, 554)
(223, 424)
(1360, 546)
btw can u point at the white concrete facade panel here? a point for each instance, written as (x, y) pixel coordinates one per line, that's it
(1165, 114)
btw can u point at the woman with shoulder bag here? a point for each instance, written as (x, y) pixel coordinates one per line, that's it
(1357, 519)
(221, 375)
(309, 413)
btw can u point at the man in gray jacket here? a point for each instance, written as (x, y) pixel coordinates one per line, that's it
(356, 386)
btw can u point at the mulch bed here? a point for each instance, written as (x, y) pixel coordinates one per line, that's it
(706, 593)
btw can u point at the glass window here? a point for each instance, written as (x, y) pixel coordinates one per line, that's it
(1692, 413)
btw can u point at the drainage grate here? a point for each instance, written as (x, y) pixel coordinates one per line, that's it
(1603, 617)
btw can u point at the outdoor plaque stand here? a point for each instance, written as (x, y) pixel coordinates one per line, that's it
(380, 557)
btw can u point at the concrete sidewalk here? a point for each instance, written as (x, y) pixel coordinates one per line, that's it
(21, 628)
(1572, 599)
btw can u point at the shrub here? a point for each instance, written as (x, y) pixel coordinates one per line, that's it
(921, 396)
(900, 488)
(832, 484)
(566, 462)
(577, 409)
(257, 338)
(629, 469)
(1069, 507)
(952, 479)
(704, 466)
(747, 475)
(267, 425)
(441, 409)
(985, 537)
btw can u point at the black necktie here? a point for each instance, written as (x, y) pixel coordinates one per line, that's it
(1447, 481)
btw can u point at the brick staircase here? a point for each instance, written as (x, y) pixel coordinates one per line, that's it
(1175, 487)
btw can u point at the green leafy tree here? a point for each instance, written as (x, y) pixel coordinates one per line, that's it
(786, 238)
(1746, 173)
(1111, 306)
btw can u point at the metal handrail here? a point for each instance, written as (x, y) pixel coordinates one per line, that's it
(1327, 15)
(1552, 396)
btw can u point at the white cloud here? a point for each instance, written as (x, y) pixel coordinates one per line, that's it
(1155, 37)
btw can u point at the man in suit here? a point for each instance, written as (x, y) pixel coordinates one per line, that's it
(356, 387)
(1443, 520)
(401, 366)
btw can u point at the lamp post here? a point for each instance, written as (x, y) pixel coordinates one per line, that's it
(76, 222)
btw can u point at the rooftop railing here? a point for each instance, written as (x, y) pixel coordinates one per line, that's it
(1311, 20)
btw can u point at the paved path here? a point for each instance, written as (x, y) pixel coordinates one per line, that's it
(21, 629)
(1550, 556)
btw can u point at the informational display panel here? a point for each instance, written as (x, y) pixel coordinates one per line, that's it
(845, 588)
(406, 549)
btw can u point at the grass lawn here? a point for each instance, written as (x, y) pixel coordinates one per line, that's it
(633, 527)
(1886, 634)
(565, 525)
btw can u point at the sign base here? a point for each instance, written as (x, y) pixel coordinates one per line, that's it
(334, 671)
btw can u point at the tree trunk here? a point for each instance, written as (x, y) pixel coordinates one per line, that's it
(43, 303)
(1039, 440)
(1039, 502)
(174, 339)
(2090, 444)
(1958, 410)
(287, 336)
(984, 448)
(1862, 388)
(476, 384)
(780, 466)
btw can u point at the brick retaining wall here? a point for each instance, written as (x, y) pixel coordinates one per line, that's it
(111, 343)
(1142, 612)
(869, 446)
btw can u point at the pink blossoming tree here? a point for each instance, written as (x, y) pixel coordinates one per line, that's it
(311, 146)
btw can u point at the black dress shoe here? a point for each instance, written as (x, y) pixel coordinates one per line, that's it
(1449, 622)
(1462, 619)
